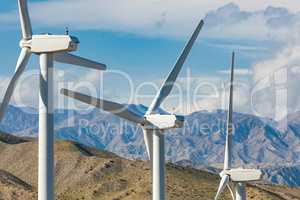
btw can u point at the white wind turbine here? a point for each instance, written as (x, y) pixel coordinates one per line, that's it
(154, 125)
(237, 176)
(49, 48)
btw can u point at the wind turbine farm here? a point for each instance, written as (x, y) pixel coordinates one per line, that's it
(207, 132)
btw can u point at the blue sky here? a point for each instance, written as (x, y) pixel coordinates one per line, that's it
(144, 38)
(132, 53)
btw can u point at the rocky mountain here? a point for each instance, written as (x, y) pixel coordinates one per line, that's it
(86, 173)
(258, 142)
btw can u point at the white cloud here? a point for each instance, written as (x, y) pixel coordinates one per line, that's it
(240, 47)
(190, 93)
(237, 71)
(270, 23)
(112, 84)
(26, 92)
(277, 83)
(175, 18)
(289, 57)
(209, 93)
(247, 20)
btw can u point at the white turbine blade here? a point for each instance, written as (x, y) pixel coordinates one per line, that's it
(231, 192)
(223, 183)
(68, 58)
(169, 82)
(24, 19)
(112, 107)
(227, 159)
(21, 64)
(148, 138)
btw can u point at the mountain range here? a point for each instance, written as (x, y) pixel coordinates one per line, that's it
(258, 142)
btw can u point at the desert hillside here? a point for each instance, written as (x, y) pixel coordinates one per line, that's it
(88, 174)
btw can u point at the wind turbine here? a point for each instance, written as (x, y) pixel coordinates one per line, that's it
(153, 124)
(237, 176)
(49, 48)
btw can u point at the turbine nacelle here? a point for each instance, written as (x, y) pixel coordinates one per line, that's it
(243, 175)
(163, 122)
(47, 43)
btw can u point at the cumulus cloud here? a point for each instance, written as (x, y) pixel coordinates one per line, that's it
(276, 82)
(272, 23)
(274, 87)
(240, 21)
(132, 16)
(167, 18)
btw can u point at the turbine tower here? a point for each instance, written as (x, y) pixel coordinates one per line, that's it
(153, 124)
(49, 48)
(237, 176)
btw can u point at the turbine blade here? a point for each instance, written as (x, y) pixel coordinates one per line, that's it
(169, 82)
(71, 59)
(230, 108)
(231, 192)
(223, 183)
(21, 64)
(228, 146)
(148, 138)
(25, 20)
(112, 107)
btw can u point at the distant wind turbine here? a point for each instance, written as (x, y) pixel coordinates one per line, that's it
(237, 176)
(154, 125)
(49, 48)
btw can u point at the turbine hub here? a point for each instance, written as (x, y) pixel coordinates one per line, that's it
(25, 43)
(224, 173)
